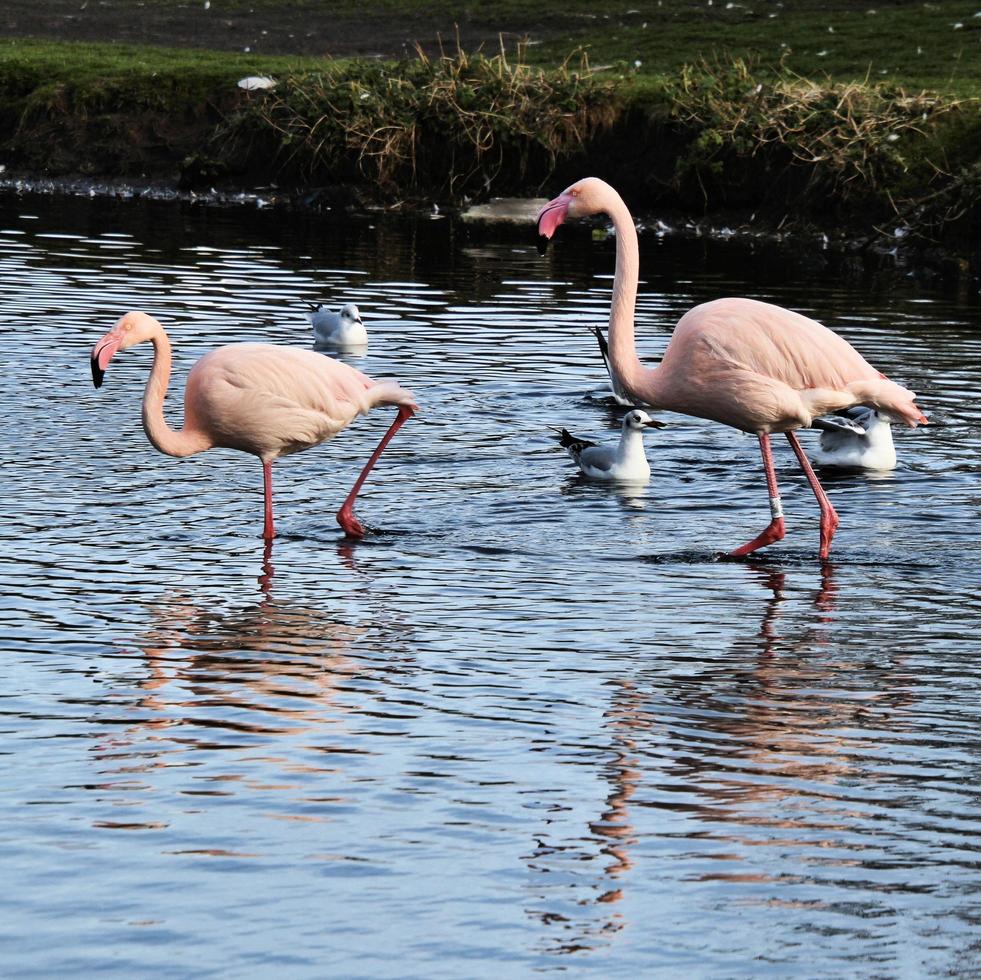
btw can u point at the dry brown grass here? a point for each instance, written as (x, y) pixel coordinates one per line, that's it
(851, 139)
(468, 120)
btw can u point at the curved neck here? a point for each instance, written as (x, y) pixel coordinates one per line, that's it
(624, 363)
(162, 436)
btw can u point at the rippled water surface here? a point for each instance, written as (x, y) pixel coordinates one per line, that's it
(528, 725)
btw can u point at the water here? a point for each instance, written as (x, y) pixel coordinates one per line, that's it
(528, 725)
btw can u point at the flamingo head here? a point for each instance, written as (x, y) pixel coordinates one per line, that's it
(583, 198)
(131, 329)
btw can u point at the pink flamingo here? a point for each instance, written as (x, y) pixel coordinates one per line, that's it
(751, 365)
(260, 398)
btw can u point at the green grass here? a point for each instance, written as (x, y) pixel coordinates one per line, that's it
(458, 124)
(912, 44)
(81, 64)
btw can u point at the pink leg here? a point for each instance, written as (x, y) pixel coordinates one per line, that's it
(345, 516)
(775, 530)
(268, 530)
(829, 516)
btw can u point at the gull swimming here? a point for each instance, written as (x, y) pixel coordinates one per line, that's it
(626, 462)
(856, 438)
(342, 329)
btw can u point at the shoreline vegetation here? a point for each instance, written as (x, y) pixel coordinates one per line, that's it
(878, 163)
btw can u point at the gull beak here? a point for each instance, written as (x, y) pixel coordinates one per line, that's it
(655, 424)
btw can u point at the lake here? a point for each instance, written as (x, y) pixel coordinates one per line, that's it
(529, 724)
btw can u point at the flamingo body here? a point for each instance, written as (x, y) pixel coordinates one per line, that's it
(262, 399)
(761, 368)
(270, 400)
(748, 364)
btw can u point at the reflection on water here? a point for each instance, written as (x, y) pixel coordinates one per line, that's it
(529, 724)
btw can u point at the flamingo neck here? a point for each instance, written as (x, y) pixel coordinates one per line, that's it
(162, 436)
(624, 363)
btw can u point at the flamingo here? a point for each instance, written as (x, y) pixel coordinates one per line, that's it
(624, 463)
(263, 399)
(757, 367)
(342, 329)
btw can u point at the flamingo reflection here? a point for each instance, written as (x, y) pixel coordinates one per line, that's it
(784, 718)
(741, 746)
(264, 675)
(591, 921)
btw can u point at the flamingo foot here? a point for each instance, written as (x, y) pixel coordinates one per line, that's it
(774, 531)
(350, 525)
(829, 524)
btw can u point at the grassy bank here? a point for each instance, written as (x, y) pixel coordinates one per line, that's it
(852, 119)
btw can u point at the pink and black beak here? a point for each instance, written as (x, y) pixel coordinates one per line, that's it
(101, 356)
(549, 218)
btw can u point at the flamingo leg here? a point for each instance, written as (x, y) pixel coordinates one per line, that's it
(775, 530)
(345, 516)
(829, 516)
(268, 528)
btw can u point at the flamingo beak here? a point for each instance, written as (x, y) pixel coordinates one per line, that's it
(549, 218)
(101, 356)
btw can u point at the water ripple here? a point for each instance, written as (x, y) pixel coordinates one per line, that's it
(529, 724)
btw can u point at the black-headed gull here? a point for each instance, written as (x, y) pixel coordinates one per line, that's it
(626, 462)
(341, 329)
(855, 438)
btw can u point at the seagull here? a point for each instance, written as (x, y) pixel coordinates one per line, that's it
(343, 329)
(625, 462)
(856, 438)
